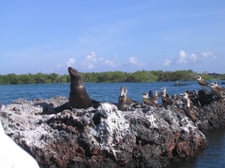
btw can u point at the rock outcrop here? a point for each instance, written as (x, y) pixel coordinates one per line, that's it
(107, 137)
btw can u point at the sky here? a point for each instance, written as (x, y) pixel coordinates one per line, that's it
(48, 36)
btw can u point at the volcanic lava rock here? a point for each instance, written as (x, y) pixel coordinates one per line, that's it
(106, 136)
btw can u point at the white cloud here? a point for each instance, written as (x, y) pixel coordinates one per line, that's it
(167, 62)
(71, 61)
(68, 63)
(108, 62)
(135, 61)
(208, 54)
(190, 60)
(193, 57)
(182, 57)
(92, 61)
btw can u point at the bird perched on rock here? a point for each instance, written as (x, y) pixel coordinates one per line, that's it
(166, 100)
(124, 102)
(201, 81)
(150, 99)
(188, 107)
(187, 100)
(217, 90)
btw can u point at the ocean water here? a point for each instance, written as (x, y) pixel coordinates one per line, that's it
(212, 157)
(100, 91)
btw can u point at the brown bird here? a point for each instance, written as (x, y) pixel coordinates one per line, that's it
(124, 102)
(188, 107)
(217, 90)
(187, 100)
(201, 81)
(151, 101)
(166, 100)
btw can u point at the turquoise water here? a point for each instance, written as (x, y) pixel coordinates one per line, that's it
(213, 156)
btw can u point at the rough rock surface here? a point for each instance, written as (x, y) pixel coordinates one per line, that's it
(108, 137)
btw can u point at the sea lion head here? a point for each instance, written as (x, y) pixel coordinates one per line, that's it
(75, 77)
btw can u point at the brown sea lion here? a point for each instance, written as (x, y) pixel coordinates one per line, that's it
(79, 97)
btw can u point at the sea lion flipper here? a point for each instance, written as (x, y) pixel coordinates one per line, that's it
(95, 103)
(62, 107)
(52, 110)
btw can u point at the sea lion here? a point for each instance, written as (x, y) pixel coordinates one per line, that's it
(79, 97)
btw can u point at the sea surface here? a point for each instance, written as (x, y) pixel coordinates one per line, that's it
(212, 157)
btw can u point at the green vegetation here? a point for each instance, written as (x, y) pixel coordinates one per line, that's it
(116, 76)
(33, 78)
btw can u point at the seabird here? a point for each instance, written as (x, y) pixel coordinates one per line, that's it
(149, 99)
(201, 81)
(124, 102)
(187, 100)
(217, 90)
(166, 100)
(188, 107)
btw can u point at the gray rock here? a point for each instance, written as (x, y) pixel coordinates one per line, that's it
(106, 136)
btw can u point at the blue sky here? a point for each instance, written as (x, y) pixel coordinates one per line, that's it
(95, 35)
